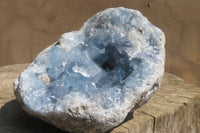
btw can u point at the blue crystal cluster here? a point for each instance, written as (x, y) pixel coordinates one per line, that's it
(102, 69)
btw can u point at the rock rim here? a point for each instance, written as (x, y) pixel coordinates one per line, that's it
(94, 118)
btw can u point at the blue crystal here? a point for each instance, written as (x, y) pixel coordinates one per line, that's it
(116, 57)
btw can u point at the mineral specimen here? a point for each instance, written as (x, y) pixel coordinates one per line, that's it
(89, 80)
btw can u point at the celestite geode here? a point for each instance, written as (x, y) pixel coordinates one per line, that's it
(89, 80)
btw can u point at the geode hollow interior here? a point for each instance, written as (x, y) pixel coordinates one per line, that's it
(89, 80)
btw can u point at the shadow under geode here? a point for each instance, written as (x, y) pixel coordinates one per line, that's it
(14, 120)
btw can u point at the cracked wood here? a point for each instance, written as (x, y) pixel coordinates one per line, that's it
(174, 108)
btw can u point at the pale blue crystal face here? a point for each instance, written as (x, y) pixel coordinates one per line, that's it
(111, 58)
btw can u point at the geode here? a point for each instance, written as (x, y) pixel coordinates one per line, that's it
(91, 79)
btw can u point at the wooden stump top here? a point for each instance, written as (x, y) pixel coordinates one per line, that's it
(174, 108)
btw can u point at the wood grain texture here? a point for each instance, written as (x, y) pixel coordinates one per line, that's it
(173, 109)
(27, 27)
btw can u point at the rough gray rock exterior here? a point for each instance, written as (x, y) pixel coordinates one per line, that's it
(89, 80)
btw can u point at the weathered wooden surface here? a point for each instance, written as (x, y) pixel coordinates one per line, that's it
(175, 108)
(29, 26)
